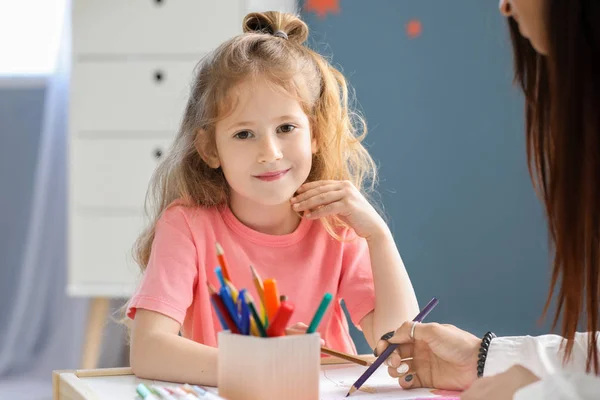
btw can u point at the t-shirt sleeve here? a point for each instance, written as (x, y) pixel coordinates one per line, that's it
(356, 281)
(167, 285)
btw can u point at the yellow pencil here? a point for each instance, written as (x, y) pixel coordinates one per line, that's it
(233, 290)
(258, 283)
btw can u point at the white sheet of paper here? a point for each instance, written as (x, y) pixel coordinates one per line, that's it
(335, 382)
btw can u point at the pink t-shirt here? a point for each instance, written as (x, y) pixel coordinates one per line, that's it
(306, 264)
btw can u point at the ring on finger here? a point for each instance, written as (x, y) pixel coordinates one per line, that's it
(412, 330)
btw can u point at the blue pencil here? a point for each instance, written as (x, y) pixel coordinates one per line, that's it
(244, 313)
(226, 297)
(219, 273)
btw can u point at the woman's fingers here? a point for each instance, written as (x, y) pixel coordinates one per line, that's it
(423, 332)
(410, 381)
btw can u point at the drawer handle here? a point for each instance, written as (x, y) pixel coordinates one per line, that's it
(158, 153)
(159, 76)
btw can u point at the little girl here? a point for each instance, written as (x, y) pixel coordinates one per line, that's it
(267, 163)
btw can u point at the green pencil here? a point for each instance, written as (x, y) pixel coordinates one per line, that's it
(319, 314)
(259, 325)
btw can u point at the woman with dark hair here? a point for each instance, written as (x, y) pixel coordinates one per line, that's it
(557, 64)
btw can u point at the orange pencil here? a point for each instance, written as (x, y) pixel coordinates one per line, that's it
(222, 262)
(271, 298)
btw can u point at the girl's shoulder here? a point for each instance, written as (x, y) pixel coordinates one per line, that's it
(180, 212)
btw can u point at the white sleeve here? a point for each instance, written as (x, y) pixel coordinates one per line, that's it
(565, 386)
(543, 355)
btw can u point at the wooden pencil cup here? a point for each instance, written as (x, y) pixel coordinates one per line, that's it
(278, 368)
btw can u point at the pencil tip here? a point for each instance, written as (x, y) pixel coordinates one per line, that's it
(352, 390)
(219, 249)
(211, 288)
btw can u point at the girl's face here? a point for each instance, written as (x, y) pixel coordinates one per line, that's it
(530, 15)
(264, 145)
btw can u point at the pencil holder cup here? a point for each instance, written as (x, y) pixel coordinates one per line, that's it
(277, 368)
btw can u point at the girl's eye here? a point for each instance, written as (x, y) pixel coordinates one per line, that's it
(287, 128)
(243, 135)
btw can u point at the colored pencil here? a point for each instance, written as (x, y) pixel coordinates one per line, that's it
(214, 297)
(219, 273)
(227, 322)
(271, 298)
(319, 313)
(233, 290)
(223, 262)
(203, 393)
(163, 393)
(244, 313)
(386, 353)
(345, 356)
(281, 319)
(258, 284)
(145, 392)
(253, 327)
(257, 321)
(230, 307)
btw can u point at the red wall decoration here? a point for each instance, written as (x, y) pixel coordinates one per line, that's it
(322, 7)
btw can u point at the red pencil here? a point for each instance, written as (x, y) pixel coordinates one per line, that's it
(222, 310)
(280, 322)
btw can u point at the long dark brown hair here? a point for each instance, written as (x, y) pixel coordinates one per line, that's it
(562, 105)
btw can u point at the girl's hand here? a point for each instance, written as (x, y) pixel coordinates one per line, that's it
(326, 198)
(299, 329)
(502, 386)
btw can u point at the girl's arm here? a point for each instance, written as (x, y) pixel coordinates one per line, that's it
(395, 300)
(158, 352)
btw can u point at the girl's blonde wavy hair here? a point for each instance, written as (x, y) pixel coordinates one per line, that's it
(289, 65)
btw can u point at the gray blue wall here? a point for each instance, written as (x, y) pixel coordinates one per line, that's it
(446, 127)
(20, 122)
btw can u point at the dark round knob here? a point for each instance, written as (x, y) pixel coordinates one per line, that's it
(158, 153)
(159, 76)
(159, 2)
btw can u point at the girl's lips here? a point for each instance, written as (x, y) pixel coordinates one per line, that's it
(272, 176)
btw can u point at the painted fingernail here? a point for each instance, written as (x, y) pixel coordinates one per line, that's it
(387, 336)
(402, 369)
(375, 353)
(408, 378)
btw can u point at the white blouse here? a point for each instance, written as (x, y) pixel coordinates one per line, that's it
(542, 355)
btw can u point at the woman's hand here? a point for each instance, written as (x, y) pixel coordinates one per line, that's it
(327, 198)
(502, 386)
(443, 356)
